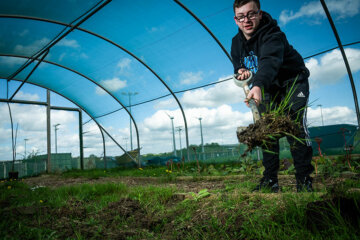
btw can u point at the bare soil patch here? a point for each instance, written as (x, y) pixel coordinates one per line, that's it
(183, 184)
(128, 218)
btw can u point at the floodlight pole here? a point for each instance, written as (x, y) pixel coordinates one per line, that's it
(173, 133)
(179, 129)
(25, 140)
(347, 65)
(202, 139)
(56, 128)
(322, 119)
(130, 94)
(125, 139)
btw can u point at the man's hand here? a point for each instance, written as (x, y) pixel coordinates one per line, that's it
(254, 93)
(243, 74)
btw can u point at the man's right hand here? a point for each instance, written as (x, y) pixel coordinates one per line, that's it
(243, 74)
(255, 93)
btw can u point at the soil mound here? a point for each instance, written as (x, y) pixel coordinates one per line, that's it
(320, 213)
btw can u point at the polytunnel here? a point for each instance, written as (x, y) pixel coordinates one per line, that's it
(156, 63)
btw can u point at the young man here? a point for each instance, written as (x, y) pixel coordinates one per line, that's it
(261, 47)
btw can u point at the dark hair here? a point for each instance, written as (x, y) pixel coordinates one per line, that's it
(240, 3)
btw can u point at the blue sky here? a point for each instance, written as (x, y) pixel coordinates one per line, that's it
(168, 40)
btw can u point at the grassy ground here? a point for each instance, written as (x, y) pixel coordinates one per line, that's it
(185, 202)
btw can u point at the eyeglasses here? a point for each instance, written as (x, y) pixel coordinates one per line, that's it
(249, 15)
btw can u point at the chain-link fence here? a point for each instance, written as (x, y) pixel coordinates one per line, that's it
(24, 168)
(329, 140)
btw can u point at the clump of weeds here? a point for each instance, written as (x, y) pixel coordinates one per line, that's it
(276, 122)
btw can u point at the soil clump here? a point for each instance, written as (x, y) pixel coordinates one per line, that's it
(267, 130)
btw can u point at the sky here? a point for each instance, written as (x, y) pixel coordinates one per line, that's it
(164, 37)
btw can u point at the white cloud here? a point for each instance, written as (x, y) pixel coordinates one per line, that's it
(154, 29)
(11, 61)
(114, 84)
(124, 64)
(24, 33)
(310, 9)
(331, 115)
(73, 56)
(188, 78)
(168, 103)
(341, 9)
(68, 43)
(111, 85)
(84, 56)
(344, 8)
(219, 124)
(32, 117)
(31, 48)
(27, 96)
(4, 133)
(31, 122)
(160, 120)
(92, 139)
(62, 56)
(222, 93)
(330, 69)
(100, 91)
(63, 117)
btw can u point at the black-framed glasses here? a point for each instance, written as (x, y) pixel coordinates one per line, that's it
(250, 15)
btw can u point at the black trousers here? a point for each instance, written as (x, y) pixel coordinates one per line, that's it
(300, 151)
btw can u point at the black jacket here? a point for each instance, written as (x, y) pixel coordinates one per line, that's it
(268, 54)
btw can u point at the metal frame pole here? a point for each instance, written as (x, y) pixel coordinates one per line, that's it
(28, 76)
(131, 144)
(139, 163)
(97, 84)
(205, 27)
(344, 58)
(56, 41)
(48, 127)
(69, 109)
(12, 137)
(81, 143)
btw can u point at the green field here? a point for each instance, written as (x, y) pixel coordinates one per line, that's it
(205, 201)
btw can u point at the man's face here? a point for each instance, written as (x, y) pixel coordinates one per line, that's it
(248, 26)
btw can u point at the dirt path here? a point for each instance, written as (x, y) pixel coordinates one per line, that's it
(185, 184)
